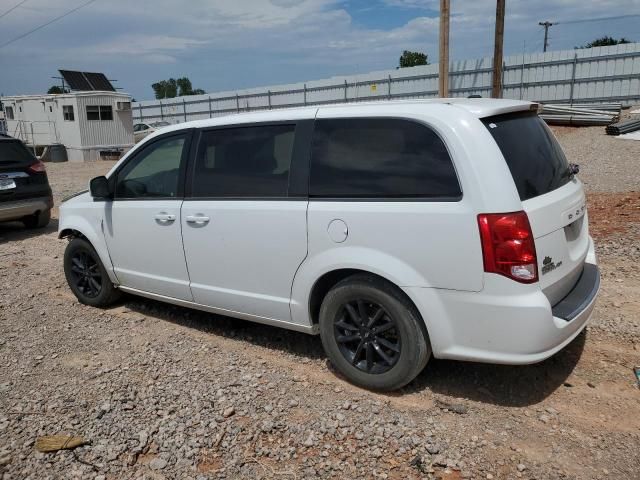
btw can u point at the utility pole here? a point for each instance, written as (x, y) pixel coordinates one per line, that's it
(496, 90)
(443, 75)
(546, 26)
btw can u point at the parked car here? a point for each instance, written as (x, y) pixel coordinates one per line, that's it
(141, 130)
(396, 230)
(25, 194)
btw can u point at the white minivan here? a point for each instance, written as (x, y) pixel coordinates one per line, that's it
(396, 230)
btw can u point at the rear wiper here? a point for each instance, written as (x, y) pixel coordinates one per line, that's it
(572, 170)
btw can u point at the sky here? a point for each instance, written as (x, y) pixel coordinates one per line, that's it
(234, 44)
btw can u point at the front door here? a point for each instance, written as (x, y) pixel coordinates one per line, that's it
(244, 235)
(142, 223)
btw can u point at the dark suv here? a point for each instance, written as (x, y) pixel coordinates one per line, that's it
(25, 194)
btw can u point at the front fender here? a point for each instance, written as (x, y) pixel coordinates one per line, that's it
(89, 225)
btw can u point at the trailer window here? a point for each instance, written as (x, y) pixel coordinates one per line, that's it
(9, 112)
(67, 113)
(106, 112)
(99, 112)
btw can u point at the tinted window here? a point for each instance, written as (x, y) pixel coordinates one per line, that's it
(93, 112)
(14, 153)
(106, 112)
(244, 162)
(535, 159)
(154, 172)
(380, 157)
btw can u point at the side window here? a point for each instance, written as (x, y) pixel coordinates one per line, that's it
(244, 162)
(380, 157)
(67, 113)
(154, 172)
(9, 112)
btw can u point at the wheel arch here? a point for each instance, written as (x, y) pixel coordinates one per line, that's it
(79, 227)
(330, 279)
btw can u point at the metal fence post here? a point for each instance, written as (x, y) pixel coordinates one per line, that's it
(161, 111)
(389, 89)
(33, 140)
(522, 77)
(184, 109)
(573, 77)
(210, 112)
(140, 110)
(237, 103)
(269, 98)
(305, 93)
(345, 89)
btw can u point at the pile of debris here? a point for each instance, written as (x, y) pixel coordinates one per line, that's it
(621, 128)
(583, 114)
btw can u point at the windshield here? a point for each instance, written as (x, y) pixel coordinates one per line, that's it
(534, 156)
(14, 153)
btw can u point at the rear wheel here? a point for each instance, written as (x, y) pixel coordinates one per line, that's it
(372, 334)
(86, 275)
(37, 220)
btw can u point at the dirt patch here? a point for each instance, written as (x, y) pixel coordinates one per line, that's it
(612, 213)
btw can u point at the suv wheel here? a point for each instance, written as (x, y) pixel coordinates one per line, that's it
(37, 220)
(372, 334)
(86, 275)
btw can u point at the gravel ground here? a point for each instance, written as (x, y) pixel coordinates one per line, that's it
(162, 392)
(607, 163)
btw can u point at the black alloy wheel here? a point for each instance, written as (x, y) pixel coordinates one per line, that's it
(367, 336)
(86, 276)
(85, 271)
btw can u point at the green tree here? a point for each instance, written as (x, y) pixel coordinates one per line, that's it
(605, 42)
(165, 89)
(413, 59)
(57, 90)
(175, 88)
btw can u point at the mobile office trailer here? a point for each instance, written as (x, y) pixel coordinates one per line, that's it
(91, 124)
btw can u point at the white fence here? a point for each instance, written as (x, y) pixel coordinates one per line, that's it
(602, 74)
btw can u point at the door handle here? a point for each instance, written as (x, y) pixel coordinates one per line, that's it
(197, 219)
(165, 218)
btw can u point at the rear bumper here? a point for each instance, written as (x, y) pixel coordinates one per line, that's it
(21, 208)
(507, 322)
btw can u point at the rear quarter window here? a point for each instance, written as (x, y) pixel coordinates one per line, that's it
(380, 158)
(15, 153)
(534, 156)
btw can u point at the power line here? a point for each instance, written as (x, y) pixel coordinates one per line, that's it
(12, 9)
(19, 37)
(597, 19)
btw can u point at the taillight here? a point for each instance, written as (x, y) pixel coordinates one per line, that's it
(37, 167)
(508, 247)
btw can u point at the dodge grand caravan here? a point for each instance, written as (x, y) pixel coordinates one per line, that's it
(396, 230)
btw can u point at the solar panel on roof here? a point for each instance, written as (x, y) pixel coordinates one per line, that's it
(75, 80)
(86, 81)
(99, 81)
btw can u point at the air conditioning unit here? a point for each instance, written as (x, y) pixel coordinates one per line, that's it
(123, 106)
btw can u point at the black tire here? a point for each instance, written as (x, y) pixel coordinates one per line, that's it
(404, 345)
(86, 275)
(37, 220)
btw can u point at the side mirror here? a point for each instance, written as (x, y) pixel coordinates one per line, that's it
(99, 187)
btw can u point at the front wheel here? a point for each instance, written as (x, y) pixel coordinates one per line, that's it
(86, 275)
(372, 334)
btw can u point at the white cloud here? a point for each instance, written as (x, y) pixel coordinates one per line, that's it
(254, 42)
